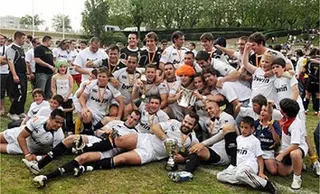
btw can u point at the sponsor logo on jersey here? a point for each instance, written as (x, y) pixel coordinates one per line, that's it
(260, 79)
(283, 88)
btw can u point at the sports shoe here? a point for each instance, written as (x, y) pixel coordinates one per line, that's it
(316, 168)
(13, 117)
(270, 187)
(180, 176)
(296, 183)
(41, 180)
(81, 169)
(32, 166)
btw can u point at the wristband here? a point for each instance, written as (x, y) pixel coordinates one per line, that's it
(28, 154)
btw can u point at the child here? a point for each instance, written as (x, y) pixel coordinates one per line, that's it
(249, 161)
(55, 103)
(62, 84)
(268, 131)
(38, 102)
(293, 143)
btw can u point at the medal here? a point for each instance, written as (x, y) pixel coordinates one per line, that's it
(143, 96)
(182, 149)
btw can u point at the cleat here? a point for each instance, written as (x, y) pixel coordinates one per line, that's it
(41, 180)
(180, 176)
(271, 187)
(316, 168)
(81, 169)
(32, 166)
(296, 183)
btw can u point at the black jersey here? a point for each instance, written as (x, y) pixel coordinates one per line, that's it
(112, 68)
(125, 52)
(147, 57)
(313, 71)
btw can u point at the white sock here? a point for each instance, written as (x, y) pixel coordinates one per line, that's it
(296, 176)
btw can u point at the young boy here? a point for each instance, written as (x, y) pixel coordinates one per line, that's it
(249, 169)
(293, 142)
(55, 103)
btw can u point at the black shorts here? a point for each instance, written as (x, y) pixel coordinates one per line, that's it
(214, 157)
(287, 159)
(3, 85)
(313, 87)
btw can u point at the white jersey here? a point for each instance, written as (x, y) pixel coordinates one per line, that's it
(295, 135)
(34, 107)
(30, 59)
(283, 87)
(75, 99)
(165, 87)
(87, 55)
(72, 55)
(262, 85)
(127, 82)
(93, 100)
(4, 69)
(150, 90)
(60, 54)
(248, 150)
(176, 109)
(173, 55)
(235, 90)
(222, 67)
(147, 119)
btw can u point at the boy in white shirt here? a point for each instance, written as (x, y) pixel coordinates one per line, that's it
(250, 166)
(293, 142)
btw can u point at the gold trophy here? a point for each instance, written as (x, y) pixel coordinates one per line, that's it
(171, 147)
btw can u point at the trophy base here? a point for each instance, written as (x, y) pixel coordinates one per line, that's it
(171, 168)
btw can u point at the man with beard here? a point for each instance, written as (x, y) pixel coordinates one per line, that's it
(142, 147)
(219, 149)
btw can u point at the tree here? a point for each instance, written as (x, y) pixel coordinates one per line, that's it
(95, 17)
(138, 13)
(57, 22)
(27, 21)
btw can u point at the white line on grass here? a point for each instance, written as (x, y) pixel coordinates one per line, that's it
(279, 186)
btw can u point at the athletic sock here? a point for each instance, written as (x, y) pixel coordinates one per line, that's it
(231, 146)
(106, 163)
(99, 125)
(101, 146)
(56, 152)
(64, 169)
(192, 163)
(306, 103)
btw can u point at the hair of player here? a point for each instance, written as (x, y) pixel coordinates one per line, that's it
(198, 74)
(279, 61)
(164, 41)
(176, 35)
(260, 99)
(314, 52)
(189, 53)
(248, 120)
(46, 38)
(29, 37)
(134, 33)
(152, 35)
(63, 42)
(152, 66)
(193, 44)
(157, 97)
(58, 98)
(134, 55)
(34, 40)
(169, 63)
(102, 70)
(210, 70)
(57, 112)
(18, 34)
(203, 55)
(95, 72)
(137, 112)
(258, 38)
(37, 91)
(94, 40)
(221, 41)
(245, 38)
(194, 116)
(207, 36)
(113, 47)
(290, 107)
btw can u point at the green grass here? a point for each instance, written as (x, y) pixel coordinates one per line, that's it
(150, 178)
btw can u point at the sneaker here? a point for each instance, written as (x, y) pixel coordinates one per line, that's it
(296, 183)
(270, 187)
(316, 168)
(41, 180)
(13, 117)
(22, 115)
(32, 166)
(82, 169)
(180, 176)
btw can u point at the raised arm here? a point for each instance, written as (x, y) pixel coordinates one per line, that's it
(245, 60)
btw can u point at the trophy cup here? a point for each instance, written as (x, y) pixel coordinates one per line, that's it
(171, 146)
